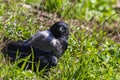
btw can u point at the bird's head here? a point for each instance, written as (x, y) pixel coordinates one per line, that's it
(60, 29)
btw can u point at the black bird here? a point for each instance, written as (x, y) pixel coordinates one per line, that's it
(47, 46)
(54, 39)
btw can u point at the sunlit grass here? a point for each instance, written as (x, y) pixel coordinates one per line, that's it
(93, 57)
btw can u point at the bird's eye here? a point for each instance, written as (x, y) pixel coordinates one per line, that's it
(62, 29)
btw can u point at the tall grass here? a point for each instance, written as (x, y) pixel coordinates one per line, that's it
(93, 57)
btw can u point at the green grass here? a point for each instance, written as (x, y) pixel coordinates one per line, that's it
(94, 57)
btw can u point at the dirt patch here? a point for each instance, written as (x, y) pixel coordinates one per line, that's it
(47, 18)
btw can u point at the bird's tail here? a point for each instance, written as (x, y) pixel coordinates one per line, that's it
(12, 48)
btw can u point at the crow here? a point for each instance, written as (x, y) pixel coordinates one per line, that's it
(46, 46)
(54, 39)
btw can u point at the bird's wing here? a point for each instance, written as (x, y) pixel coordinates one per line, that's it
(42, 40)
(40, 36)
(46, 41)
